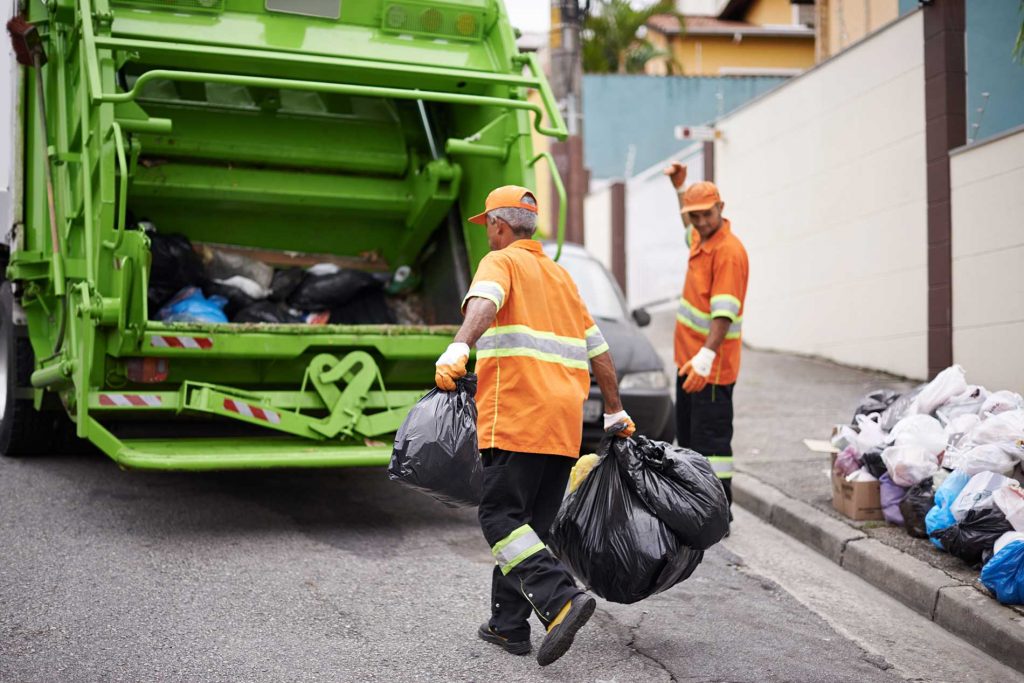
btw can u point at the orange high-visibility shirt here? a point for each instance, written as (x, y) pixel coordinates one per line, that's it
(533, 362)
(715, 287)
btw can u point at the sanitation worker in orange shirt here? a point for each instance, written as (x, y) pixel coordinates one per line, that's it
(534, 340)
(709, 324)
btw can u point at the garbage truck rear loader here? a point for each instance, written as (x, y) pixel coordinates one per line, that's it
(290, 132)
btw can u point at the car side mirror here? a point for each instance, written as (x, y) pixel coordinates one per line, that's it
(642, 317)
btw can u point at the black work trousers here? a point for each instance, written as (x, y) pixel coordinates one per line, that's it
(704, 424)
(521, 496)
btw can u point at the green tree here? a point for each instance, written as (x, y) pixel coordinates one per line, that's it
(613, 40)
(1018, 50)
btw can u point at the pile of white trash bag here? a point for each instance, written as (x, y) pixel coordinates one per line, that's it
(948, 458)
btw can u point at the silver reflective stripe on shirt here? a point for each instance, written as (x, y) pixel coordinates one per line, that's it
(486, 289)
(596, 345)
(520, 340)
(700, 321)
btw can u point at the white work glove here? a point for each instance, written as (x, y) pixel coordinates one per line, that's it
(621, 417)
(451, 366)
(697, 370)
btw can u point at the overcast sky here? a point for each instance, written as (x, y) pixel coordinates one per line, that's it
(530, 15)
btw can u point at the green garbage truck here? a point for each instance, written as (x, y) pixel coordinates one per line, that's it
(353, 133)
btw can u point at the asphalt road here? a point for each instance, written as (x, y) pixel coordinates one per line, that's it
(344, 576)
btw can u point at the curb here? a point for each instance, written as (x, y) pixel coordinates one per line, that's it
(961, 610)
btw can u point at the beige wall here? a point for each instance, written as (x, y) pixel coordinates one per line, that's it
(848, 21)
(824, 181)
(988, 249)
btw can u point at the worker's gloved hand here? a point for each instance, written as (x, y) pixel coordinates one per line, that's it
(620, 419)
(677, 174)
(696, 370)
(451, 366)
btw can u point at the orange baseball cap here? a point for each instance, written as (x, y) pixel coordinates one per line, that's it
(700, 196)
(506, 197)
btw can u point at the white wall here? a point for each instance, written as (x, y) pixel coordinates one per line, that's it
(656, 252)
(597, 222)
(8, 132)
(824, 182)
(988, 249)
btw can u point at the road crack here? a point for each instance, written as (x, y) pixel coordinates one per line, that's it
(630, 634)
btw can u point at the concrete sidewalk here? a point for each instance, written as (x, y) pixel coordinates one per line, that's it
(782, 399)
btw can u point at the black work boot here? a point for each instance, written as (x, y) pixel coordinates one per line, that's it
(513, 647)
(563, 629)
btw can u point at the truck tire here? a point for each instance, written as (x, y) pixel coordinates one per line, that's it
(23, 429)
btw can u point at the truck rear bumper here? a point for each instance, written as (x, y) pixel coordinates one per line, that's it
(207, 454)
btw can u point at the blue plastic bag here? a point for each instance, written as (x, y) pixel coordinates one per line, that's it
(190, 306)
(1004, 574)
(940, 517)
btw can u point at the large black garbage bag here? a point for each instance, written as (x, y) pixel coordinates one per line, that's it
(681, 489)
(268, 312)
(174, 267)
(612, 539)
(324, 292)
(875, 402)
(237, 299)
(285, 282)
(370, 307)
(436, 449)
(915, 507)
(973, 539)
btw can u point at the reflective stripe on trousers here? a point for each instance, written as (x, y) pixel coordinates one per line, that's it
(722, 465)
(516, 547)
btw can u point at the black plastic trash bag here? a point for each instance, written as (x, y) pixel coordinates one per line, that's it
(915, 507)
(237, 298)
(872, 462)
(369, 308)
(174, 267)
(268, 312)
(609, 533)
(285, 282)
(681, 489)
(973, 539)
(875, 402)
(324, 292)
(436, 449)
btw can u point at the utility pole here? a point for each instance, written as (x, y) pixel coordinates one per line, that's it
(567, 85)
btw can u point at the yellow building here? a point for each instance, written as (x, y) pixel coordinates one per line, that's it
(745, 38)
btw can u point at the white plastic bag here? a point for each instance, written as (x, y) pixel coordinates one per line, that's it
(921, 431)
(861, 475)
(870, 434)
(977, 495)
(988, 457)
(959, 427)
(968, 402)
(1010, 501)
(1001, 402)
(909, 465)
(1006, 539)
(947, 384)
(1004, 428)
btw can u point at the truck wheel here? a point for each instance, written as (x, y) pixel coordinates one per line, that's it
(23, 430)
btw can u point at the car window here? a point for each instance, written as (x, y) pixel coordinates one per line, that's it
(595, 285)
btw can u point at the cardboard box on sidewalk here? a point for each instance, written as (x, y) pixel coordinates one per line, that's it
(859, 500)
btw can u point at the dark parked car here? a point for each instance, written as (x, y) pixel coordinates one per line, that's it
(645, 388)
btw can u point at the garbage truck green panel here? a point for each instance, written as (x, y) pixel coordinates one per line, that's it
(243, 239)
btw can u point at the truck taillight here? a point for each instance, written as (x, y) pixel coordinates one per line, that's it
(147, 370)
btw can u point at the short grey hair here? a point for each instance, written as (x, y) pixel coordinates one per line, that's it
(522, 221)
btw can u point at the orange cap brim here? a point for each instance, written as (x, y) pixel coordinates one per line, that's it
(698, 207)
(479, 219)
